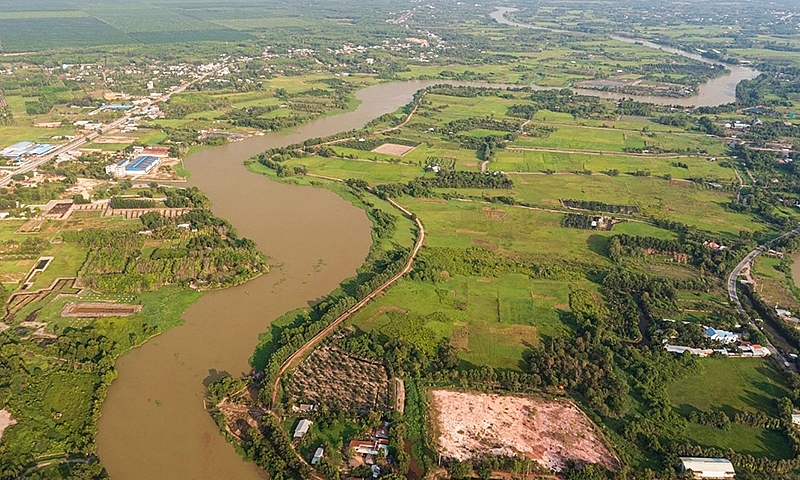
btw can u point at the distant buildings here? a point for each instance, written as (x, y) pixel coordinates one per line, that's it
(711, 468)
(26, 149)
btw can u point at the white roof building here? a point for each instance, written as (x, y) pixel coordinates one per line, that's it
(318, 456)
(713, 468)
(302, 428)
(679, 349)
(720, 335)
(796, 419)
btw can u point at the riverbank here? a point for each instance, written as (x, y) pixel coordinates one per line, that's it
(153, 423)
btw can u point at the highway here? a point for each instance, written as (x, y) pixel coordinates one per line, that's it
(734, 295)
(110, 128)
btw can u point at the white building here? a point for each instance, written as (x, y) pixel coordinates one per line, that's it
(318, 456)
(713, 468)
(720, 335)
(679, 349)
(796, 419)
(302, 428)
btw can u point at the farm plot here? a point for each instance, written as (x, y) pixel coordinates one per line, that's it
(99, 309)
(332, 378)
(551, 432)
(393, 149)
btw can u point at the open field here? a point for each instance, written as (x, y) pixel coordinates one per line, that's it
(551, 432)
(733, 386)
(393, 149)
(490, 321)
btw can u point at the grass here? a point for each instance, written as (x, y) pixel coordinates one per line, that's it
(510, 160)
(491, 321)
(733, 385)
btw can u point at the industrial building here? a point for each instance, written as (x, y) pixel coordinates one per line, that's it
(140, 165)
(711, 468)
(26, 149)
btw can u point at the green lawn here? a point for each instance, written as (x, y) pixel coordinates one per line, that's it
(733, 385)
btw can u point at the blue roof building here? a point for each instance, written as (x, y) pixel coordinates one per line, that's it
(141, 165)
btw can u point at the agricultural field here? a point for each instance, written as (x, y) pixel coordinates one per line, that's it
(331, 379)
(733, 385)
(491, 321)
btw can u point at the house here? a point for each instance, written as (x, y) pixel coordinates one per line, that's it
(796, 419)
(693, 351)
(363, 447)
(159, 152)
(755, 350)
(317, 456)
(302, 428)
(713, 468)
(303, 407)
(721, 336)
(117, 169)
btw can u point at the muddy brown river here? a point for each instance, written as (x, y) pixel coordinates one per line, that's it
(153, 424)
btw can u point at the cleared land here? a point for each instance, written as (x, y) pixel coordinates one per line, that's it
(99, 309)
(393, 149)
(552, 432)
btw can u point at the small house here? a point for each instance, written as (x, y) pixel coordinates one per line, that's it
(302, 428)
(318, 456)
(711, 468)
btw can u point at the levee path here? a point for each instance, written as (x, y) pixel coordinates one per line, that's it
(311, 344)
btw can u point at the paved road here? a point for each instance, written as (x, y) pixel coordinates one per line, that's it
(734, 295)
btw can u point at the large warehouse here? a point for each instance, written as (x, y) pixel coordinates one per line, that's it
(711, 468)
(140, 165)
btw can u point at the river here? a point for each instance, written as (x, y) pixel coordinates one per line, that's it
(153, 424)
(717, 91)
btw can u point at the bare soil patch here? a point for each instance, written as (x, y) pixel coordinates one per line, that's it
(114, 139)
(552, 432)
(6, 420)
(393, 149)
(471, 232)
(520, 335)
(99, 309)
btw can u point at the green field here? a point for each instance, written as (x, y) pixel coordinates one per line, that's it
(733, 385)
(491, 320)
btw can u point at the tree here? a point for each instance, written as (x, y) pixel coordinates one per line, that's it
(459, 470)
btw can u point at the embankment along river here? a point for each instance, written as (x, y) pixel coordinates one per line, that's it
(154, 425)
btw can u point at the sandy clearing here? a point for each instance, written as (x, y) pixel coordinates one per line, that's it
(551, 432)
(393, 149)
(6, 420)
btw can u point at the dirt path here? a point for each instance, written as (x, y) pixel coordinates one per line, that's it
(311, 344)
